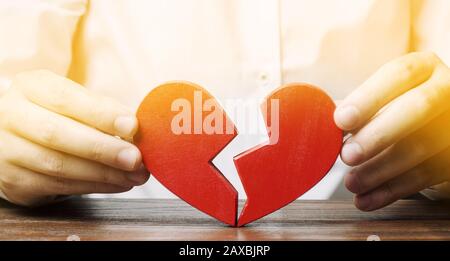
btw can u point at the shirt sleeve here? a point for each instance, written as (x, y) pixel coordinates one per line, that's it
(37, 35)
(430, 30)
(3, 196)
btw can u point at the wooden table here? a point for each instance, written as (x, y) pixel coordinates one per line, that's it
(156, 219)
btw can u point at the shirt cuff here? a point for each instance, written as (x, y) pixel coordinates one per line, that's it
(47, 201)
(439, 192)
(5, 84)
(3, 196)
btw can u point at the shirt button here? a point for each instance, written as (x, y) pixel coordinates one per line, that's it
(264, 78)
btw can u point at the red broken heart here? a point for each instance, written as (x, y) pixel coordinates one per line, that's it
(273, 174)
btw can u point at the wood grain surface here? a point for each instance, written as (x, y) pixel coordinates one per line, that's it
(164, 219)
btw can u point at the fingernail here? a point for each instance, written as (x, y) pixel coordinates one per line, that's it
(363, 202)
(346, 117)
(352, 153)
(128, 158)
(138, 178)
(351, 181)
(125, 125)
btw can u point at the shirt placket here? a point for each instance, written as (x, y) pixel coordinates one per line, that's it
(261, 44)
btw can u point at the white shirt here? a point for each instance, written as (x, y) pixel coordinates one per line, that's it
(234, 48)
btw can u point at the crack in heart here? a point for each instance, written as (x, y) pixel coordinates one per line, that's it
(273, 174)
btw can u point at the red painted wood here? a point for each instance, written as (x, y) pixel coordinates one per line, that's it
(275, 174)
(182, 162)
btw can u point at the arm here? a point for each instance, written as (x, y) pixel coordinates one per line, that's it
(56, 137)
(400, 124)
(400, 118)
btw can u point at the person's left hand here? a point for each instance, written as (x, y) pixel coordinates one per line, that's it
(400, 125)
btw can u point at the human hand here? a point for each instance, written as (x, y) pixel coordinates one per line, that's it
(399, 120)
(58, 138)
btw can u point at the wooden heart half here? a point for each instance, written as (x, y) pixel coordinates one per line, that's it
(304, 143)
(182, 161)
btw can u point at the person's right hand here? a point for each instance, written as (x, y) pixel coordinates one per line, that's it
(58, 138)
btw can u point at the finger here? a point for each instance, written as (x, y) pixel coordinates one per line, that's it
(431, 172)
(66, 135)
(26, 187)
(37, 158)
(405, 115)
(400, 157)
(390, 81)
(68, 98)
